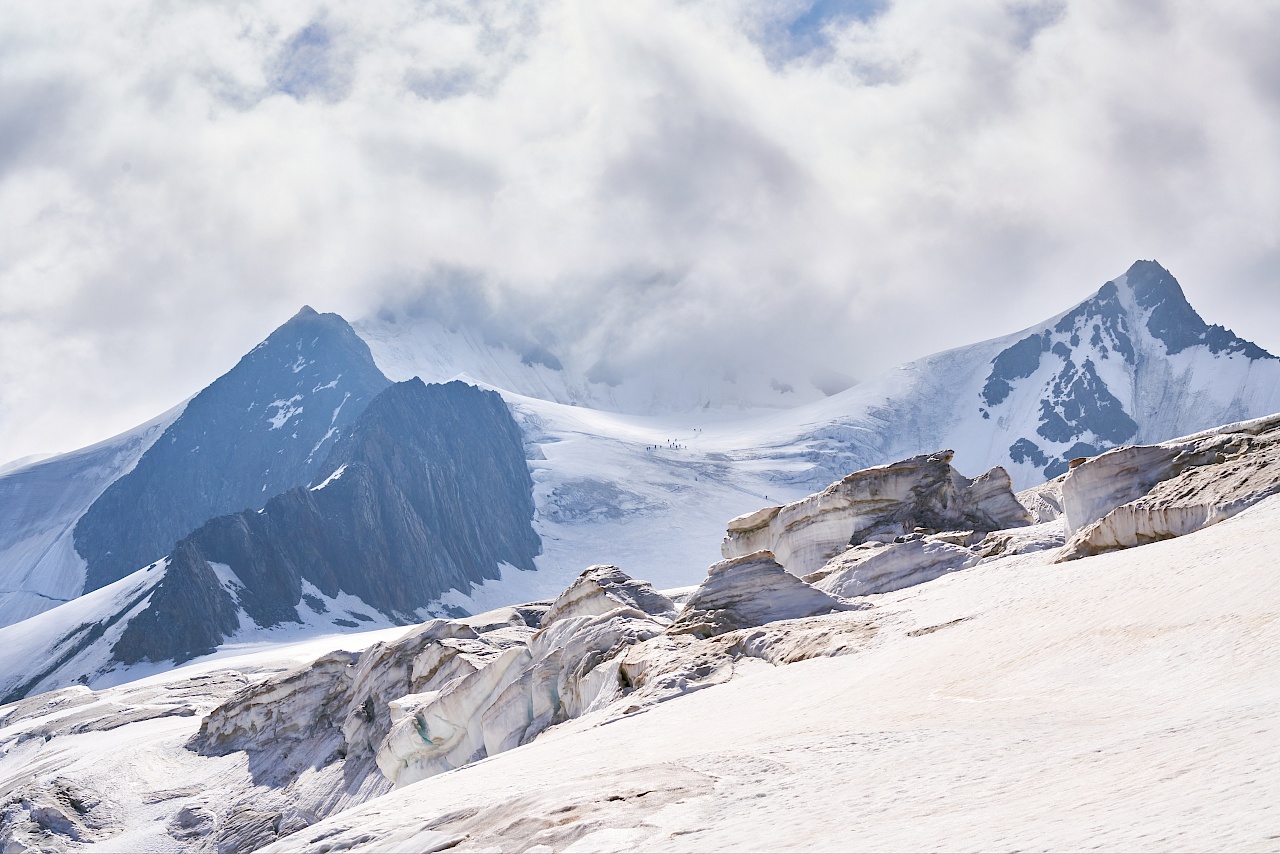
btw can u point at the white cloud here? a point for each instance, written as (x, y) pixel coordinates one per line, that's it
(835, 184)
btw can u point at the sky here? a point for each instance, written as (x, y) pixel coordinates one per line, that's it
(833, 187)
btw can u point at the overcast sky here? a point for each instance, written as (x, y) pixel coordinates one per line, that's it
(740, 183)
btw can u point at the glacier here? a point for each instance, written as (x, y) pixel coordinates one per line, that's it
(622, 476)
(999, 688)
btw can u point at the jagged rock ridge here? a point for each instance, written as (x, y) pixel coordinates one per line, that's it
(428, 492)
(1089, 350)
(263, 427)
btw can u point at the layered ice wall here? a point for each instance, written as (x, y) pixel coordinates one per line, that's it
(881, 503)
(1142, 494)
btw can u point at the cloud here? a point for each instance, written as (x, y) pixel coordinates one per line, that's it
(799, 188)
(311, 63)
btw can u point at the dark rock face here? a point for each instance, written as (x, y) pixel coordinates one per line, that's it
(1081, 403)
(1016, 363)
(428, 492)
(189, 614)
(1174, 321)
(1077, 406)
(1102, 318)
(1025, 450)
(263, 427)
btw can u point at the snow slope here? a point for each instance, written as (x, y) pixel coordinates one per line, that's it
(646, 479)
(405, 345)
(41, 503)
(1020, 705)
(1124, 701)
(73, 643)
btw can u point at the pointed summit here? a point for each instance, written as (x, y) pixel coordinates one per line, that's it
(261, 428)
(1152, 284)
(1098, 374)
(1173, 321)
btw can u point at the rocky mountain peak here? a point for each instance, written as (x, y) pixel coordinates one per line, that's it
(261, 428)
(1172, 320)
(427, 492)
(1152, 284)
(1086, 367)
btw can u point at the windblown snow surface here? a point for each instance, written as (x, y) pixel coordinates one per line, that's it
(1125, 701)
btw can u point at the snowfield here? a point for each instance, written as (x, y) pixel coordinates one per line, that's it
(643, 474)
(909, 659)
(41, 502)
(1125, 701)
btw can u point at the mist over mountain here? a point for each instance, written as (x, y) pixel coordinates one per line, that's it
(751, 188)
(609, 461)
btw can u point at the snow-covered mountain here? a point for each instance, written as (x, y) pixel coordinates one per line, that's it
(82, 520)
(434, 498)
(1133, 362)
(427, 492)
(261, 428)
(1151, 370)
(1005, 686)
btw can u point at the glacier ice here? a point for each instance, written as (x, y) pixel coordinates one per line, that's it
(1141, 494)
(879, 504)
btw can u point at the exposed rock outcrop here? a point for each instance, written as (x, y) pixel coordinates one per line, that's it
(428, 492)
(1135, 495)
(877, 504)
(263, 427)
